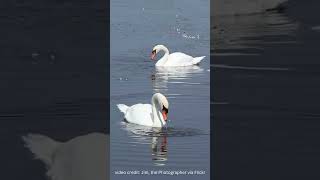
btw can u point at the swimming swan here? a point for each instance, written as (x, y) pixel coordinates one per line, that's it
(174, 59)
(154, 114)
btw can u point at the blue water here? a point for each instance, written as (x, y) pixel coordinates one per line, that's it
(137, 26)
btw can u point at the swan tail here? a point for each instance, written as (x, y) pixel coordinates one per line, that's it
(123, 108)
(41, 146)
(197, 60)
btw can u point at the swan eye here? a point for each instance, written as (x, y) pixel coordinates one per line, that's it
(165, 109)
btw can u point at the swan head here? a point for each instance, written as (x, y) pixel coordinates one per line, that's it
(163, 104)
(157, 49)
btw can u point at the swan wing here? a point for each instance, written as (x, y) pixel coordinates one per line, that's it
(42, 147)
(81, 158)
(123, 108)
(140, 114)
(85, 156)
(181, 59)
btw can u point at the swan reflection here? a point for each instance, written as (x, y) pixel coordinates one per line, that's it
(159, 150)
(156, 137)
(163, 76)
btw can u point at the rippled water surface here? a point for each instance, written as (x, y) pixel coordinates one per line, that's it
(135, 28)
(266, 92)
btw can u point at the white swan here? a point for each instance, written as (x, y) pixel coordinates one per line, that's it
(81, 158)
(174, 59)
(154, 114)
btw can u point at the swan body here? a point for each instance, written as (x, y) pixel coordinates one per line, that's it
(154, 114)
(174, 59)
(81, 158)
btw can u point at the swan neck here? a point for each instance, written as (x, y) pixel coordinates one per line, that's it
(165, 49)
(156, 113)
(164, 58)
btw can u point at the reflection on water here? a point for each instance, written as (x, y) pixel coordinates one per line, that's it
(158, 138)
(159, 150)
(175, 75)
(248, 34)
(145, 131)
(154, 137)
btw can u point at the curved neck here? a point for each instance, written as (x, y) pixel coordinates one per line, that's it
(164, 58)
(158, 120)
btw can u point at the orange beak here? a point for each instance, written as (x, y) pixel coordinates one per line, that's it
(153, 55)
(165, 115)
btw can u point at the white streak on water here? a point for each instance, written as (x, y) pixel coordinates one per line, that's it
(251, 68)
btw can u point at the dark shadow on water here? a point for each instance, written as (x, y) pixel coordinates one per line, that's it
(162, 132)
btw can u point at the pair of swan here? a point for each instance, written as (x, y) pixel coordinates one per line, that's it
(85, 157)
(156, 113)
